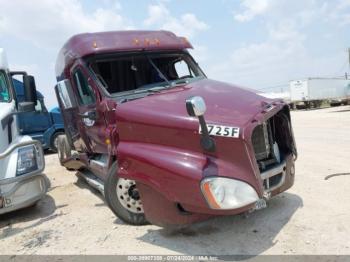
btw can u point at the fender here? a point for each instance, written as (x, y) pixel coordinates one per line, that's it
(174, 173)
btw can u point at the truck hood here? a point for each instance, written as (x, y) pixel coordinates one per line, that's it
(226, 104)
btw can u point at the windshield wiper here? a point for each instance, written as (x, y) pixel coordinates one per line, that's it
(158, 71)
(136, 92)
(149, 90)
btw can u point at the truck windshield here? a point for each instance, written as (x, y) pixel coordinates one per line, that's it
(125, 75)
(4, 90)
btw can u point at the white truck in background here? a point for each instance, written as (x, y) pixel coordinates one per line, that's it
(311, 92)
(22, 182)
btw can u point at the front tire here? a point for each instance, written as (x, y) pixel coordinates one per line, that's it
(123, 198)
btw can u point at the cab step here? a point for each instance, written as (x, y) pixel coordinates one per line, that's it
(92, 180)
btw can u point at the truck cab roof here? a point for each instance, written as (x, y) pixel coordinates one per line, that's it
(86, 44)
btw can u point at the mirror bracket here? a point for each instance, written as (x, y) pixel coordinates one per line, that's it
(196, 107)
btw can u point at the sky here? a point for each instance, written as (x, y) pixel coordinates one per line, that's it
(261, 44)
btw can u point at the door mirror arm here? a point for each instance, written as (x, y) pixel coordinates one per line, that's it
(196, 108)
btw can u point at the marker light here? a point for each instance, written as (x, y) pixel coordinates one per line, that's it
(147, 41)
(226, 193)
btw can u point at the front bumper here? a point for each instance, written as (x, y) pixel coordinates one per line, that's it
(17, 192)
(22, 191)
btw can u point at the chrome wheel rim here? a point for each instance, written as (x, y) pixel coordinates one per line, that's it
(129, 196)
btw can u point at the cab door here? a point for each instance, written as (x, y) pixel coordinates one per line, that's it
(90, 121)
(69, 109)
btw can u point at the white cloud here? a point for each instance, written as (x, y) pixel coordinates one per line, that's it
(286, 30)
(200, 53)
(340, 13)
(270, 63)
(251, 8)
(276, 10)
(285, 53)
(186, 25)
(47, 24)
(156, 14)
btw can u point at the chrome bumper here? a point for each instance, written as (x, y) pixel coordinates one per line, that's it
(278, 173)
(22, 191)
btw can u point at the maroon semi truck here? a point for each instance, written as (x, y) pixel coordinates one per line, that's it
(164, 143)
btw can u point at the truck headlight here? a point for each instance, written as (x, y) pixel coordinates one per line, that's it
(226, 193)
(29, 159)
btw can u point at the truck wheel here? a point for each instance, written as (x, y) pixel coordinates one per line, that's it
(123, 198)
(54, 141)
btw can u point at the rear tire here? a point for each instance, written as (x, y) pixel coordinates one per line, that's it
(117, 190)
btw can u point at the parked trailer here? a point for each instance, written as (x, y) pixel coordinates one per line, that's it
(312, 91)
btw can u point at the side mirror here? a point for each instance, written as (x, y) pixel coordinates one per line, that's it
(196, 107)
(29, 89)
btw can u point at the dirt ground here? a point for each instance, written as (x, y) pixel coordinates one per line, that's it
(311, 218)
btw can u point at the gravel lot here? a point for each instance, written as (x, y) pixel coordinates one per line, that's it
(311, 218)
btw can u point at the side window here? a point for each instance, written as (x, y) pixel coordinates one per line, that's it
(182, 69)
(86, 94)
(4, 89)
(38, 107)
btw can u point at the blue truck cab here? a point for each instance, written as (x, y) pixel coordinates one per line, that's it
(41, 124)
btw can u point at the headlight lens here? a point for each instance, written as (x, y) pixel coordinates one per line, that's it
(226, 193)
(29, 159)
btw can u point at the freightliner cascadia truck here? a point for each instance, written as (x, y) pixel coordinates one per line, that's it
(166, 144)
(22, 182)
